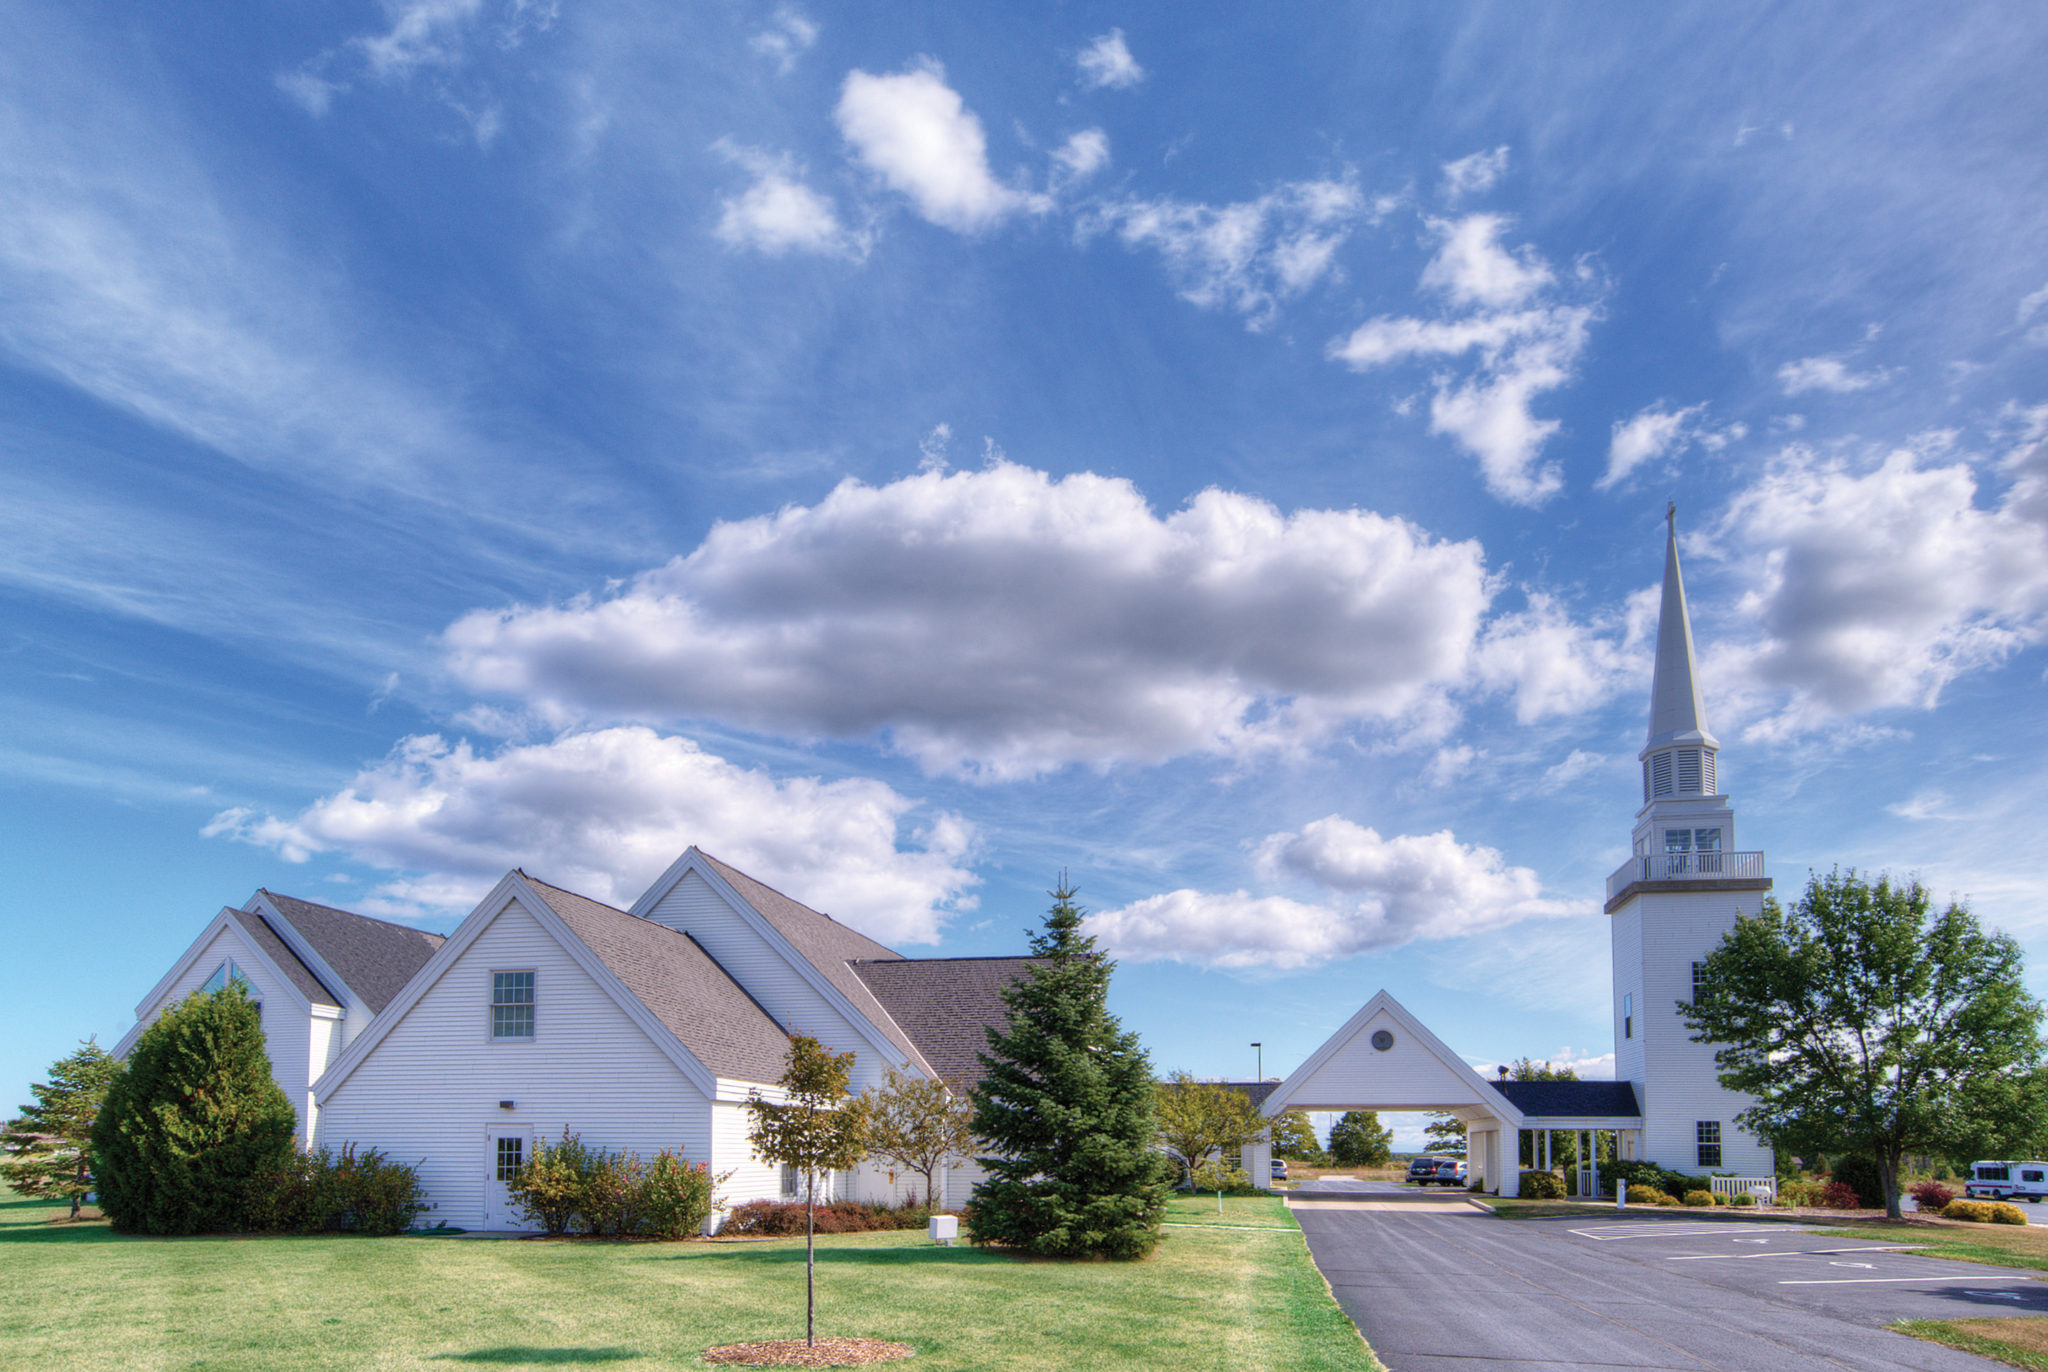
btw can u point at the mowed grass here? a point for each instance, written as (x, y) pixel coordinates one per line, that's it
(78, 1296)
(1248, 1212)
(2020, 1341)
(2000, 1245)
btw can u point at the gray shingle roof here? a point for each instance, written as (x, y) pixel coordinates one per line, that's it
(263, 936)
(1257, 1090)
(1552, 1099)
(694, 998)
(945, 1005)
(374, 957)
(827, 945)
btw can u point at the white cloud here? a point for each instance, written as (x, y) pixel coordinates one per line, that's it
(1578, 765)
(1653, 432)
(605, 812)
(422, 36)
(1248, 256)
(1527, 343)
(1383, 893)
(1048, 621)
(2031, 307)
(1474, 174)
(1873, 589)
(913, 130)
(1555, 665)
(1083, 155)
(1108, 62)
(779, 214)
(788, 36)
(1831, 374)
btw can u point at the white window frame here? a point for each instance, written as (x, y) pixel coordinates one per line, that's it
(532, 1004)
(1707, 1134)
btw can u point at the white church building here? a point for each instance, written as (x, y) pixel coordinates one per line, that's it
(648, 1028)
(1668, 906)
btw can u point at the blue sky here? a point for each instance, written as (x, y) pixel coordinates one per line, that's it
(1222, 455)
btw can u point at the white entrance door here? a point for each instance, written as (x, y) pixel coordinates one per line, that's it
(506, 1147)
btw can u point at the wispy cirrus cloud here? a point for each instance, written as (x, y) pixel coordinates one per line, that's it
(1474, 174)
(1507, 307)
(1831, 374)
(788, 34)
(1107, 63)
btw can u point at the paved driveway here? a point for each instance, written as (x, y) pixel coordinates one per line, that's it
(1442, 1291)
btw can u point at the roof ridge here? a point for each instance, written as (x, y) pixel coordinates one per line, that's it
(354, 914)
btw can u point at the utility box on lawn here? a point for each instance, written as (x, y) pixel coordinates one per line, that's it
(944, 1229)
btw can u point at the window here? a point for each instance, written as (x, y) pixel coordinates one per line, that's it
(1628, 1015)
(1677, 852)
(1710, 1143)
(228, 973)
(1699, 979)
(511, 1005)
(2033, 1174)
(792, 1181)
(511, 1155)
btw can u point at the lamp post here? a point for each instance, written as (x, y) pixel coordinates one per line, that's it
(1262, 1060)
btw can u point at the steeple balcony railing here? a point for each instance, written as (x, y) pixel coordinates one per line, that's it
(1708, 866)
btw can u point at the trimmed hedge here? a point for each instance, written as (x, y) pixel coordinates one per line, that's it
(783, 1219)
(1542, 1185)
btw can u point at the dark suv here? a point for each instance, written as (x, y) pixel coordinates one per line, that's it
(1432, 1168)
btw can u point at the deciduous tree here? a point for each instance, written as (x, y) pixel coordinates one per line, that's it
(1294, 1138)
(816, 1127)
(1358, 1139)
(1197, 1118)
(1065, 1105)
(1863, 1018)
(50, 1145)
(1445, 1134)
(919, 1124)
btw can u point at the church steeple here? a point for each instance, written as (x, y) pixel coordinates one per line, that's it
(1679, 758)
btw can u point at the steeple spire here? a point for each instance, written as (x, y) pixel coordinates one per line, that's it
(1677, 715)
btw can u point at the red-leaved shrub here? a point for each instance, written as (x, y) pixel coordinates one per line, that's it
(765, 1218)
(1931, 1195)
(1837, 1195)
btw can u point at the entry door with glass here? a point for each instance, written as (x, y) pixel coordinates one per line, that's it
(506, 1148)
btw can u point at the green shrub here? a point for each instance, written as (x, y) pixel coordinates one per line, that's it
(548, 1187)
(1742, 1199)
(2005, 1213)
(609, 1199)
(1665, 1199)
(1718, 1198)
(1973, 1212)
(675, 1197)
(786, 1218)
(1700, 1198)
(1543, 1185)
(1647, 1195)
(192, 1120)
(322, 1192)
(1215, 1176)
(1858, 1172)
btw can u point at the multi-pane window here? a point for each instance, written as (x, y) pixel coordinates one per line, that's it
(511, 1155)
(1710, 1143)
(511, 1005)
(224, 974)
(1699, 979)
(1706, 844)
(792, 1180)
(1628, 1016)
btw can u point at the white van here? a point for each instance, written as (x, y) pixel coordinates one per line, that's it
(2027, 1181)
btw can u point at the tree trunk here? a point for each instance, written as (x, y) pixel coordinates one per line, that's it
(810, 1259)
(1888, 1176)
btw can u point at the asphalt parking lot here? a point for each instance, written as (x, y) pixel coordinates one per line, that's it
(1437, 1288)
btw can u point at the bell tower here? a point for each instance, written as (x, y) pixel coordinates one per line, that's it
(1669, 904)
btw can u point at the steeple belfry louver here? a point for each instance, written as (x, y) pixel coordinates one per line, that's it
(1679, 757)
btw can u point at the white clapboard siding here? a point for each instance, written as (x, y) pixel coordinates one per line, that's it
(1407, 1076)
(695, 908)
(288, 1031)
(1679, 1075)
(751, 1179)
(427, 1093)
(1626, 940)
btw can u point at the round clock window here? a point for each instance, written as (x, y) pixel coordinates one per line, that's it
(1382, 1039)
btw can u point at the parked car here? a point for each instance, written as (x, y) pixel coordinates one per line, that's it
(1279, 1169)
(1432, 1167)
(2007, 1181)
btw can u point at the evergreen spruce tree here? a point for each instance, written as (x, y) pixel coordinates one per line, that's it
(193, 1118)
(50, 1146)
(1065, 1106)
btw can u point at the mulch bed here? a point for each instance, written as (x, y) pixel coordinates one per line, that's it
(797, 1353)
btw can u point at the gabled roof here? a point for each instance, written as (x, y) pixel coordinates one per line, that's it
(945, 1005)
(827, 945)
(1577, 1099)
(682, 985)
(1257, 1090)
(373, 957)
(280, 953)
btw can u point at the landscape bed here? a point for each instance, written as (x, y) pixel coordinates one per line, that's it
(79, 1296)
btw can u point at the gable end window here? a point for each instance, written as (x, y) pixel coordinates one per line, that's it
(1709, 1132)
(226, 975)
(511, 1005)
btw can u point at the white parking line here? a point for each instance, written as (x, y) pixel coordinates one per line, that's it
(1789, 1253)
(1609, 1233)
(1866, 1281)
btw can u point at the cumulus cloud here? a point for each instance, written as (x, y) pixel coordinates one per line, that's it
(914, 132)
(1831, 374)
(1380, 893)
(1475, 174)
(1002, 623)
(1873, 588)
(788, 36)
(1108, 62)
(604, 812)
(1081, 156)
(779, 214)
(1553, 664)
(1527, 342)
(1248, 256)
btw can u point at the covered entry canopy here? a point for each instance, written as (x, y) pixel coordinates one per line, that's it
(1386, 1059)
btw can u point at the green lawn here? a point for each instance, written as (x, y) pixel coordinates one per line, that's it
(1214, 1297)
(2017, 1341)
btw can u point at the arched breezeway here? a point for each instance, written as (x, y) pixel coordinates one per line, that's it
(1386, 1059)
